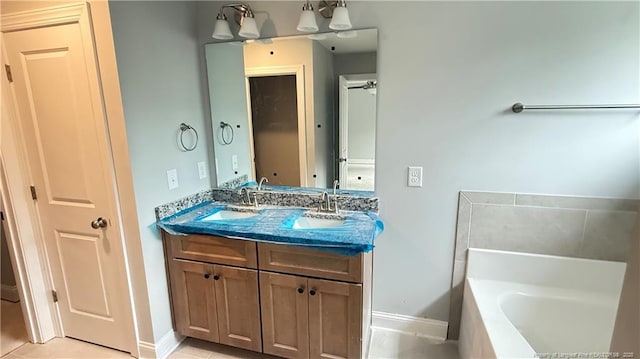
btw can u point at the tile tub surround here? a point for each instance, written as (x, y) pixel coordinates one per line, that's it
(271, 197)
(581, 227)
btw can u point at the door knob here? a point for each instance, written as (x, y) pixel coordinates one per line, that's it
(312, 292)
(99, 223)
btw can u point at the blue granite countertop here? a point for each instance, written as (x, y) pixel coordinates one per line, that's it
(275, 225)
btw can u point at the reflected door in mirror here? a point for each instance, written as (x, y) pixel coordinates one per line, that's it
(274, 118)
(357, 132)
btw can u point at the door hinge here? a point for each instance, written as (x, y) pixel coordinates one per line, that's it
(7, 68)
(54, 294)
(1, 215)
(34, 195)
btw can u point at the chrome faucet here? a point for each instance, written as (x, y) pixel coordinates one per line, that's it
(262, 180)
(336, 184)
(325, 205)
(244, 193)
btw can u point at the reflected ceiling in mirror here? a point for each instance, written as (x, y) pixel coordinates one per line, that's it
(298, 110)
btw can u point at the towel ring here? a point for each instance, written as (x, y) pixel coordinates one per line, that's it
(184, 128)
(223, 127)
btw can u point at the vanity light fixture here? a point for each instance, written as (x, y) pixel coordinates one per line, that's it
(307, 21)
(248, 26)
(334, 10)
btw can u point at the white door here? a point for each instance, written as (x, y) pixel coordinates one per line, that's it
(357, 133)
(61, 116)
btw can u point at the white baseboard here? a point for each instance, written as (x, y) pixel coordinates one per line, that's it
(147, 350)
(9, 292)
(421, 327)
(162, 348)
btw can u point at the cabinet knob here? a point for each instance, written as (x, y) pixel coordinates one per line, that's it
(207, 275)
(312, 292)
(301, 290)
(216, 277)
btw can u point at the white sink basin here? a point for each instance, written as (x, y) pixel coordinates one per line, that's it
(303, 222)
(227, 215)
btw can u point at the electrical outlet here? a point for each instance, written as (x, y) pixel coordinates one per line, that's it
(172, 178)
(414, 178)
(202, 170)
(234, 162)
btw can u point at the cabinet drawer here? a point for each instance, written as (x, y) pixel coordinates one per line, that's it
(214, 249)
(309, 262)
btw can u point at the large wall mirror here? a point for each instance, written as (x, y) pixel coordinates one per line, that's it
(299, 110)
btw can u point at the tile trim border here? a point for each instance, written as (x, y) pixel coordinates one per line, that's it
(420, 327)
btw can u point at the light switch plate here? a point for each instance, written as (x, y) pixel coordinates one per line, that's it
(172, 178)
(234, 162)
(414, 178)
(202, 170)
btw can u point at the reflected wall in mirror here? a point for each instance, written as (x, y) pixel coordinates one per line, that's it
(299, 110)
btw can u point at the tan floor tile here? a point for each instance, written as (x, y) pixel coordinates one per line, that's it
(388, 344)
(68, 348)
(178, 355)
(194, 348)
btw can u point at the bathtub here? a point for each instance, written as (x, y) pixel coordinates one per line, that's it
(519, 305)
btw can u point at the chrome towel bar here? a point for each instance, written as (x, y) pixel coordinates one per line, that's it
(519, 107)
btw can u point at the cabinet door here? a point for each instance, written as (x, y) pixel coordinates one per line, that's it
(335, 319)
(238, 307)
(194, 301)
(285, 326)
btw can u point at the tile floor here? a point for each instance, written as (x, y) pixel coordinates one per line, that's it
(385, 345)
(12, 330)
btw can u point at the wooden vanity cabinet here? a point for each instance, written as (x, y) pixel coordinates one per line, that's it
(194, 300)
(299, 303)
(214, 302)
(310, 318)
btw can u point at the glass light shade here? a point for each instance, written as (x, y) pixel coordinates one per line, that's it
(340, 19)
(249, 29)
(307, 22)
(222, 31)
